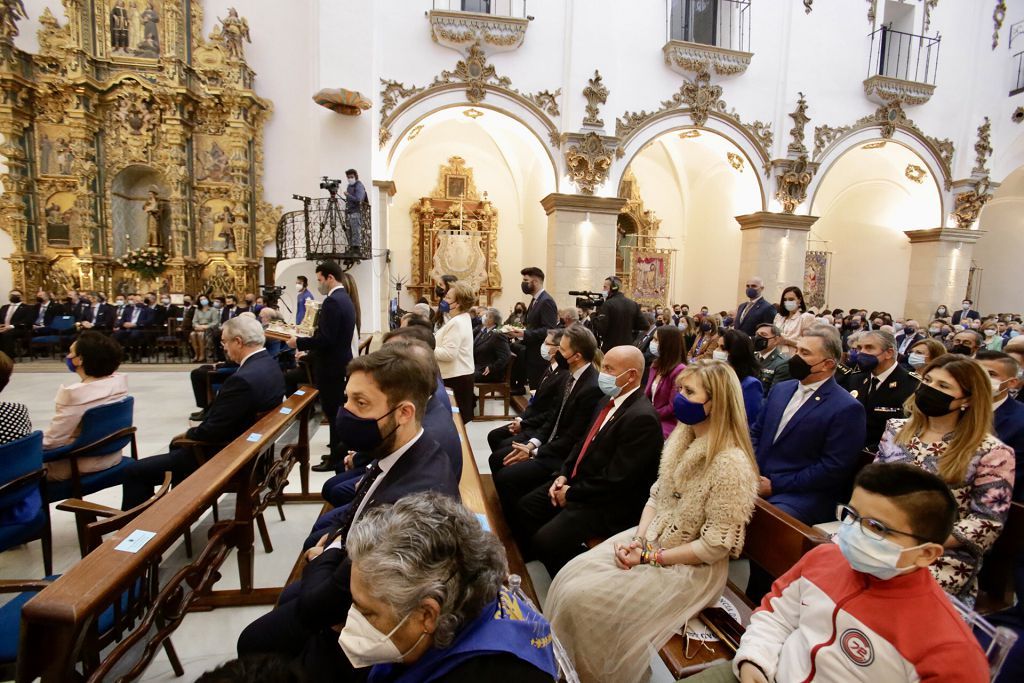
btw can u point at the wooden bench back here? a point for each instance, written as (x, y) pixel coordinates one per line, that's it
(55, 622)
(776, 541)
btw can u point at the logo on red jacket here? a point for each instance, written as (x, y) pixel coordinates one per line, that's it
(857, 647)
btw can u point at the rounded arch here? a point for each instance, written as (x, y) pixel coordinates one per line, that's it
(756, 157)
(923, 149)
(396, 128)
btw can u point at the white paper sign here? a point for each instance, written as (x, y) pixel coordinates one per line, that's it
(135, 541)
(254, 437)
(286, 410)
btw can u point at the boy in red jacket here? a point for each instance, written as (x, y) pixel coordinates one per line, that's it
(865, 608)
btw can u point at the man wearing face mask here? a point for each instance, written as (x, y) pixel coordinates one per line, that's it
(355, 198)
(605, 481)
(98, 315)
(134, 321)
(302, 295)
(330, 349)
(1008, 415)
(536, 455)
(967, 342)
(755, 310)
(809, 433)
(853, 610)
(882, 386)
(774, 363)
(908, 336)
(541, 316)
(966, 313)
(387, 395)
(15, 322)
(619, 319)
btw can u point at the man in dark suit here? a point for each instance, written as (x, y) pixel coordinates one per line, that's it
(809, 433)
(134, 321)
(1008, 418)
(881, 386)
(541, 316)
(905, 340)
(405, 461)
(619, 320)
(120, 303)
(537, 455)
(966, 312)
(15, 322)
(606, 479)
(256, 387)
(756, 310)
(45, 311)
(774, 364)
(330, 350)
(1015, 349)
(230, 309)
(547, 397)
(490, 349)
(97, 314)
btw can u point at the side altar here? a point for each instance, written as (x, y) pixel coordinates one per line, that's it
(129, 131)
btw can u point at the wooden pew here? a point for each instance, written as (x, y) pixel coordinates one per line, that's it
(55, 622)
(775, 541)
(479, 495)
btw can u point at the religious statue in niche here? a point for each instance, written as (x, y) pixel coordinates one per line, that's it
(56, 155)
(211, 161)
(61, 218)
(153, 214)
(234, 29)
(217, 221)
(135, 32)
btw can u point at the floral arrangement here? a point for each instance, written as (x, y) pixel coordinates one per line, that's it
(148, 261)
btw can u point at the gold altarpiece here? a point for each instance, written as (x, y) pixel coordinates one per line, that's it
(455, 232)
(128, 128)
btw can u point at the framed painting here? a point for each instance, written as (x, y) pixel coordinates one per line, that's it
(816, 279)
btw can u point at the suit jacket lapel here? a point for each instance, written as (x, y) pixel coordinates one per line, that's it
(816, 399)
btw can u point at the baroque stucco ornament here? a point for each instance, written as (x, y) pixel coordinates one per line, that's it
(796, 176)
(588, 161)
(983, 147)
(967, 205)
(461, 30)
(800, 119)
(596, 94)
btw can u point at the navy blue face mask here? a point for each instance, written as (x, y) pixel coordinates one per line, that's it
(687, 411)
(362, 433)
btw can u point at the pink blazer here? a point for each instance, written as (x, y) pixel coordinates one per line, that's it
(662, 398)
(71, 402)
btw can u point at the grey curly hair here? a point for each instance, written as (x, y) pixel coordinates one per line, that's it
(428, 545)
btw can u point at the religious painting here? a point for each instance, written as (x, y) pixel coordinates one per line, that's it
(217, 221)
(134, 28)
(212, 161)
(816, 279)
(651, 270)
(55, 154)
(456, 187)
(61, 218)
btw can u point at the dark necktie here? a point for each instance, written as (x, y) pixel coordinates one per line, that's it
(372, 472)
(872, 385)
(569, 383)
(593, 432)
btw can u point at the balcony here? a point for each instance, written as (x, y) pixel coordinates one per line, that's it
(498, 25)
(708, 35)
(901, 66)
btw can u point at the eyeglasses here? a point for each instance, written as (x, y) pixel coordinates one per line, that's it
(871, 528)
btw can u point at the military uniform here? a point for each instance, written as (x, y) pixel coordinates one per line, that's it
(885, 401)
(845, 375)
(774, 369)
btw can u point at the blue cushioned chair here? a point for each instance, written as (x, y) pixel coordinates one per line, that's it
(105, 429)
(63, 326)
(23, 515)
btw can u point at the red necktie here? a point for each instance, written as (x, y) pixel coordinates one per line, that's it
(593, 432)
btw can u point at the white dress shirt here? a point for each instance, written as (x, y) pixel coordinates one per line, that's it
(802, 394)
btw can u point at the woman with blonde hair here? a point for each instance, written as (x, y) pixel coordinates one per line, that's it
(632, 592)
(949, 433)
(454, 347)
(924, 352)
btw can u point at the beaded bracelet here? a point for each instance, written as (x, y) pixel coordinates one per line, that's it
(658, 558)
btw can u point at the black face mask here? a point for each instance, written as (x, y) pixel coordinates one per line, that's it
(705, 327)
(799, 369)
(961, 349)
(527, 287)
(760, 343)
(932, 402)
(39, 299)
(439, 292)
(15, 298)
(685, 311)
(560, 361)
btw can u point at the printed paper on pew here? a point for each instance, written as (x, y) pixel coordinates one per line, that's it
(135, 541)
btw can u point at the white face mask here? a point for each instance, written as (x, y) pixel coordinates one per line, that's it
(545, 352)
(997, 386)
(990, 332)
(351, 181)
(967, 306)
(298, 286)
(916, 360)
(897, 326)
(791, 305)
(720, 355)
(653, 347)
(365, 646)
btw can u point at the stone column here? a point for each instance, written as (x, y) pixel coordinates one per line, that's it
(381, 288)
(940, 262)
(581, 243)
(773, 247)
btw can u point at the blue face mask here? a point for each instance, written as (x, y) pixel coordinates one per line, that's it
(607, 384)
(877, 557)
(71, 365)
(752, 293)
(1014, 333)
(853, 356)
(687, 411)
(444, 306)
(867, 361)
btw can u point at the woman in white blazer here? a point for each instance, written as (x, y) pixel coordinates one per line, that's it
(454, 347)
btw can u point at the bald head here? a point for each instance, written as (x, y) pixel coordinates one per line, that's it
(626, 364)
(1016, 345)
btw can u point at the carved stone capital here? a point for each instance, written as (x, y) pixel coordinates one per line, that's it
(775, 221)
(687, 58)
(557, 201)
(943, 235)
(882, 90)
(460, 30)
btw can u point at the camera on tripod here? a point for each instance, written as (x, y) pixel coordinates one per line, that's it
(586, 299)
(271, 294)
(330, 184)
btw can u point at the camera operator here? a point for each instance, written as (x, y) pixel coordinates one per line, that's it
(355, 197)
(619, 320)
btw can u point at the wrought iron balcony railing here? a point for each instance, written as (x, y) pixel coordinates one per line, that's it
(906, 56)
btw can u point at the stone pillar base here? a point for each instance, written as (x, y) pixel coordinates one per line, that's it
(581, 243)
(773, 247)
(940, 262)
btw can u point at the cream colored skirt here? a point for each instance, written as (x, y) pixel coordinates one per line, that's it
(610, 620)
